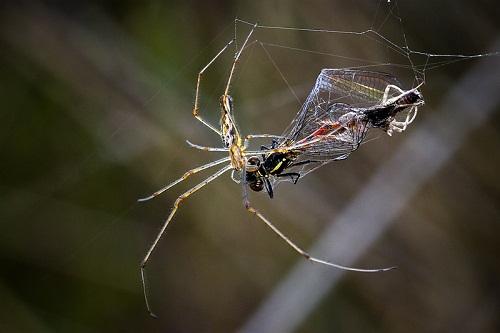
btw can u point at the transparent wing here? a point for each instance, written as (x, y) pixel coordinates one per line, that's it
(357, 88)
(330, 124)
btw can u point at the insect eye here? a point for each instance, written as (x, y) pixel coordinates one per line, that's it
(419, 95)
(254, 161)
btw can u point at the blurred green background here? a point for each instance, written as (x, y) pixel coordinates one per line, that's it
(96, 105)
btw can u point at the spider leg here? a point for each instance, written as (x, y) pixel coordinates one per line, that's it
(235, 177)
(197, 96)
(184, 176)
(254, 136)
(165, 224)
(236, 60)
(193, 145)
(304, 253)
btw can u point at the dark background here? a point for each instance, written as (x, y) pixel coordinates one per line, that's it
(96, 105)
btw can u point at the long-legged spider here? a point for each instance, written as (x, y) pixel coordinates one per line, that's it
(248, 167)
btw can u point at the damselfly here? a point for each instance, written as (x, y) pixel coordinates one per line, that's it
(332, 123)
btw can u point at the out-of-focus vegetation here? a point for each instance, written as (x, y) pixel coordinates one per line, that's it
(96, 105)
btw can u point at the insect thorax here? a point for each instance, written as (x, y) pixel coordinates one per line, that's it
(273, 164)
(277, 162)
(411, 98)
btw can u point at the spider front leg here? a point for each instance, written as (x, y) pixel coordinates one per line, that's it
(237, 59)
(197, 96)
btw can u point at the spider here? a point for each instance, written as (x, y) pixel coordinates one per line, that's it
(250, 168)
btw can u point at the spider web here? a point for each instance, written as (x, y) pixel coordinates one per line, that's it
(334, 83)
(74, 164)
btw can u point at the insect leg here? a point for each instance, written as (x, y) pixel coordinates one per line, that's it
(400, 126)
(184, 176)
(388, 88)
(269, 187)
(165, 224)
(291, 175)
(254, 136)
(413, 110)
(303, 162)
(304, 253)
